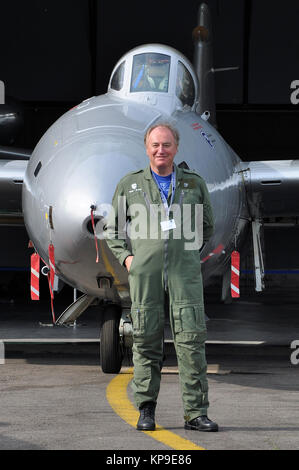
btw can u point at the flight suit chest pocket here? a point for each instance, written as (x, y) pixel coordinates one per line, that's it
(188, 318)
(135, 197)
(138, 211)
(191, 196)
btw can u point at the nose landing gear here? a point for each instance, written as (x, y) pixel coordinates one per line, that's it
(111, 351)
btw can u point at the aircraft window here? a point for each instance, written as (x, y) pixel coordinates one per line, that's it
(118, 77)
(150, 72)
(185, 89)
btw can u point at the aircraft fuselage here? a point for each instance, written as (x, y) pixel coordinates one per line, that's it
(78, 163)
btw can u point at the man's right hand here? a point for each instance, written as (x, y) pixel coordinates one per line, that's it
(128, 262)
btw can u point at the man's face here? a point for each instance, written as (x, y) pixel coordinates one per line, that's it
(161, 149)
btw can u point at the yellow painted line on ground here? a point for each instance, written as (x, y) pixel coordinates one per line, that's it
(118, 399)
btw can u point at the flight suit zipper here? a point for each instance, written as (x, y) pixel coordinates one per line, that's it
(165, 270)
(165, 264)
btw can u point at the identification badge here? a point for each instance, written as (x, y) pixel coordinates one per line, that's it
(168, 225)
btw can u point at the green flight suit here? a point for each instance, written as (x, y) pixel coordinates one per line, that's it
(164, 268)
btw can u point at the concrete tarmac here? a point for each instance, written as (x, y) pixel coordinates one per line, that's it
(53, 392)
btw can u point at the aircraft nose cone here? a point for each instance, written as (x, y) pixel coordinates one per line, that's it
(94, 181)
(86, 176)
(88, 182)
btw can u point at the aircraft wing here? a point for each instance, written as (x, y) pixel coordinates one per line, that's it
(13, 163)
(272, 188)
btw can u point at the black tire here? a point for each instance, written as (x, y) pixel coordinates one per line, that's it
(110, 349)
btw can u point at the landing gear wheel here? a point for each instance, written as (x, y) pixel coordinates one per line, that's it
(110, 348)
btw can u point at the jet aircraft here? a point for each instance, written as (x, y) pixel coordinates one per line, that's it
(70, 178)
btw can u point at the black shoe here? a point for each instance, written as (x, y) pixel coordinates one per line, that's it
(201, 423)
(146, 420)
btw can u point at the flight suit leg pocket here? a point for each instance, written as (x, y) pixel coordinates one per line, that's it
(147, 321)
(137, 315)
(199, 313)
(177, 320)
(189, 318)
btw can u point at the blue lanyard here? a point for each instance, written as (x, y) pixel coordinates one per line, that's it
(164, 200)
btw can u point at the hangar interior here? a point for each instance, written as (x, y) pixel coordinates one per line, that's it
(56, 54)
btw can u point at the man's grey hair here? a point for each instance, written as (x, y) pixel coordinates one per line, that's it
(172, 129)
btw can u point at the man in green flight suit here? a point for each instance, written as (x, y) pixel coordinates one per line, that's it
(164, 273)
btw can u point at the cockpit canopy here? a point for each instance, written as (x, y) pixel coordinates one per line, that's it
(150, 72)
(156, 75)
